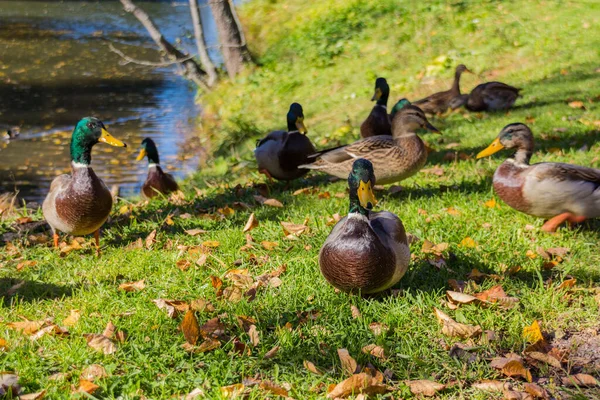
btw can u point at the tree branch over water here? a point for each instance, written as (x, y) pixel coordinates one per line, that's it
(128, 60)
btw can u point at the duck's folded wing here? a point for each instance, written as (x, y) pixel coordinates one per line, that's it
(567, 172)
(60, 182)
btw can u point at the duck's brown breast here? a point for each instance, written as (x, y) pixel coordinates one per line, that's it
(509, 180)
(158, 182)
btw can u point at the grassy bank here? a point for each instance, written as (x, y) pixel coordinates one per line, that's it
(326, 56)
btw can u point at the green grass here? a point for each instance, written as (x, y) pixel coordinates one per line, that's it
(326, 56)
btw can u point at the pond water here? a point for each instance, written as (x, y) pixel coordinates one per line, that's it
(55, 68)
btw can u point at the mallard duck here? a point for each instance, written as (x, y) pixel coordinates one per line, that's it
(558, 191)
(79, 204)
(280, 153)
(394, 158)
(378, 121)
(400, 104)
(492, 96)
(157, 182)
(11, 132)
(366, 251)
(439, 102)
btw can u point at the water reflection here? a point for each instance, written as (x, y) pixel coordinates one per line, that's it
(55, 68)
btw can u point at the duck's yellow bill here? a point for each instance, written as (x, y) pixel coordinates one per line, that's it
(495, 147)
(141, 155)
(365, 195)
(300, 125)
(110, 139)
(377, 95)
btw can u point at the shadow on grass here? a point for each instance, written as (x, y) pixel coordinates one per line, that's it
(30, 291)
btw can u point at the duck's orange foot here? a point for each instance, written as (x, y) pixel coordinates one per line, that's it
(553, 223)
(267, 173)
(55, 238)
(97, 239)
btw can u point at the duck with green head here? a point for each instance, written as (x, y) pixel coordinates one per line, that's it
(378, 121)
(440, 102)
(400, 104)
(558, 191)
(79, 204)
(366, 251)
(281, 152)
(157, 182)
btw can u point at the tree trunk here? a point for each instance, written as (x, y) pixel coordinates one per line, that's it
(233, 47)
(191, 70)
(207, 64)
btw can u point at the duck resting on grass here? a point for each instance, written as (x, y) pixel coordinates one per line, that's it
(491, 96)
(280, 153)
(79, 204)
(366, 251)
(157, 182)
(439, 102)
(558, 191)
(378, 121)
(400, 104)
(394, 158)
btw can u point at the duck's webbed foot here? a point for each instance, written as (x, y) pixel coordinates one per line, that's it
(267, 173)
(553, 223)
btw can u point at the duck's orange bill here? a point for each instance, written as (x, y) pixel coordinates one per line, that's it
(365, 195)
(110, 139)
(495, 147)
(141, 155)
(300, 125)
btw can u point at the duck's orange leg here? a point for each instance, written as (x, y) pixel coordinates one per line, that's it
(264, 171)
(55, 237)
(553, 223)
(97, 238)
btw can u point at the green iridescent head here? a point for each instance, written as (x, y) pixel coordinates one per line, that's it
(149, 149)
(88, 132)
(398, 106)
(361, 182)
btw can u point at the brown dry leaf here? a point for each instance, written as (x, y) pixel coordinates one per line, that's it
(514, 395)
(306, 190)
(425, 387)
(207, 345)
(273, 388)
(492, 385)
(324, 195)
(355, 312)
(110, 329)
(172, 307)
(232, 391)
(254, 337)
(3, 345)
(459, 297)
(567, 284)
(515, 368)
(273, 203)
(536, 391)
(452, 328)
(348, 363)
(132, 286)
(150, 239)
(101, 343)
(436, 170)
(334, 219)
(359, 383)
(93, 372)
(190, 328)
(202, 305)
(86, 386)
(226, 211)
(194, 394)
(374, 350)
(211, 243)
(271, 353)
(581, 380)
(26, 326)
(312, 367)
(195, 232)
(468, 242)
(72, 319)
(183, 264)
(268, 245)
(378, 328)
(533, 333)
(251, 224)
(216, 282)
(577, 104)
(26, 264)
(213, 327)
(545, 358)
(458, 286)
(33, 396)
(430, 248)
(293, 229)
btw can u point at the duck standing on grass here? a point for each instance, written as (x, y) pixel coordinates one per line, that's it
(157, 182)
(394, 158)
(79, 204)
(280, 153)
(558, 191)
(366, 251)
(378, 121)
(440, 102)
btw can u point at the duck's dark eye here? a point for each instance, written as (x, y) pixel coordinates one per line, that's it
(91, 125)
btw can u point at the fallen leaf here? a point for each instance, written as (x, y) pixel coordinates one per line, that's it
(232, 391)
(293, 229)
(468, 242)
(26, 264)
(150, 239)
(536, 391)
(269, 245)
(195, 394)
(207, 345)
(359, 383)
(27, 327)
(273, 203)
(577, 104)
(251, 224)
(50, 330)
(374, 350)
(514, 395)
(348, 363)
(355, 312)
(101, 343)
(33, 396)
(425, 387)
(212, 328)
(14, 288)
(378, 328)
(195, 232)
(492, 385)
(533, 333)
(273, 388)
(254, 337)
(271, 353)
(211, 243)
(515, 368)
(183, 264)
(9, 384)
(430, 248)
(132, 286)
(324, 195)
(312, 367)
(72, 319)
(461, 298)
(216, 282)
(86, 386)
(172, 307)
(567, 284)
(436, 170)
(558, 251)
(93, 372)
(453, 328)
(202, 305)
(545, 358)
(190, 328)
(458, 286)
(581, 380)
(490, 203)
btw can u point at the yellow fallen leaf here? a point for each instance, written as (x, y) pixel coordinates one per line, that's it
(26, 326)
(251, 224)
(468, 242)
(356, 384)
(132, 286)
(490, 203)
(232, 391)
(211, 243)
(515, 368)
(86, 386)
(268, 245)
(72, 319)
(533, 333)
(190, 328)
(566, 284)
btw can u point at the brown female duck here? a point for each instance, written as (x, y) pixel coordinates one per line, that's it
(394, 158)
(79, 204)
(378, 121)
(558, 191)
(366, 251)
(492, 96)
(439, 102)
(157, 182)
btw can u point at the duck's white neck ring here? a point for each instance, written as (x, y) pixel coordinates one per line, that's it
(153, 165)
(79, 165)
(355, 215)
(382, 106)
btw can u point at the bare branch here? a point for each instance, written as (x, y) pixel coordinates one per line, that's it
(131, 60)
(199, 36)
